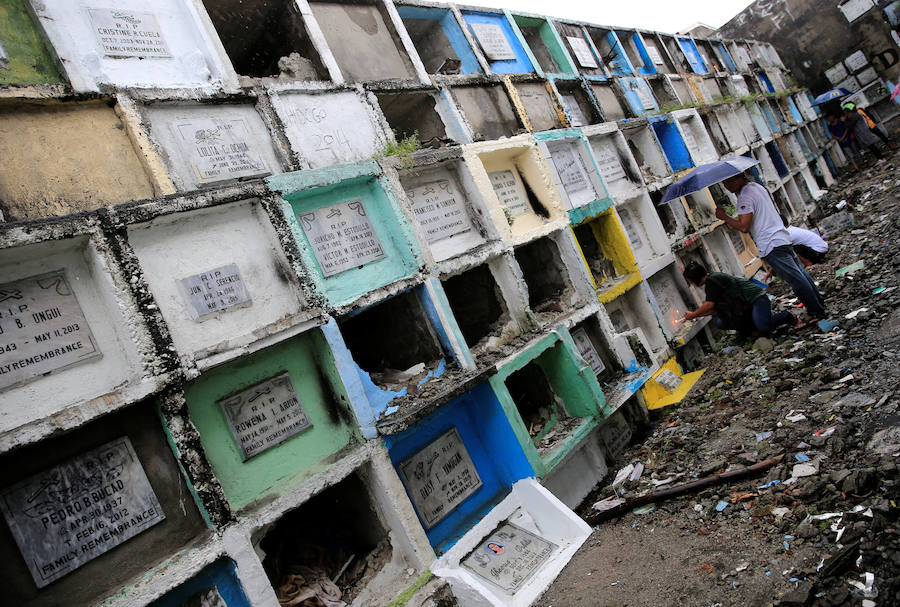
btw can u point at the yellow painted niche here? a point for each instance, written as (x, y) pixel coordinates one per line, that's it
(657, 396)
(602, 240)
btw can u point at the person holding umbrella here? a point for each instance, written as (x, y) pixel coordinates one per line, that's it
(758, 216)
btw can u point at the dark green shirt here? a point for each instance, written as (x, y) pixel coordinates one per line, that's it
(725, 288)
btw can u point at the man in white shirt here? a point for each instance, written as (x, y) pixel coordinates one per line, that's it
(758, 216)
(809, 246)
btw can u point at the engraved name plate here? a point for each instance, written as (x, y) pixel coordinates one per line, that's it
(219, 149)
(265, 415)
(631, 230)
(439, 209)
(215, 291)
(582, 51)
(74, 512)
(42, 328)
(511, 196)
(609, 163)
(493, 41)
(509, 556)
(440, 477)
(654, 55)
(123, 33)
(574, 178)
(588, 351)
(575, 114)
(342, 237)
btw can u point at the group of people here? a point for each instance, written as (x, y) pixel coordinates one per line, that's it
(855, 131)
(741, 304)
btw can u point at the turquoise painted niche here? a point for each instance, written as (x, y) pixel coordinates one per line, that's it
(396, 255)
(550, 375)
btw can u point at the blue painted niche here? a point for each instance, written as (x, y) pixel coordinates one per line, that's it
(672, 143)
(221, 575)
(521, 64)
(725, 56)
(693, 55)
(634, 89)
(454, 33)
(485, 430)
(777, 159)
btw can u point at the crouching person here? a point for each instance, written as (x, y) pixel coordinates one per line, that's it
(736, 303)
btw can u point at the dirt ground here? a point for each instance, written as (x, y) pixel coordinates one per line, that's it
(809, 530)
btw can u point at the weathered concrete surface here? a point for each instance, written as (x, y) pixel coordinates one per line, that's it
(29, 60)
(65, 158)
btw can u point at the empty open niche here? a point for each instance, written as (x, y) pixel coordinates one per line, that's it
(609, 103)
(647, 153)
(331, 547)
(432, 44)
(477, 304)
(658, 54)
(711, 123)
(601, 257)
(590, 342)
(488, 111)
(266, 38)
(672, 215)
(633, 311)
(538, 106)
(579, 106)
(541, 409)
(545, 275)
(533, 31)
(363, 41)
(412, 114)
(628, 42)
(682, 89)
(664, 94)
(393, 340)
(612, 56)
(701, 207)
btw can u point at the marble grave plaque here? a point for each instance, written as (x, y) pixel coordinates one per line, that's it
(645, 97)
(439, 209)
(124, 33)
(511, 196)
(63, 517)
(572, 174)
(439, 477)
(215, 291)
(582, 52)
(265, 415)
(342, 237)
(688, 135)
(654, 55)
(493, 41)
(867, 76)
(219, 149)
(615, 434)
(42, 328)
(575, 114)
(588, 351)
(628, 222)
(836, 73)
(609, 163)
(509, 557)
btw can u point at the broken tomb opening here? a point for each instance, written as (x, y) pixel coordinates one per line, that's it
(544, 272)
(477, 304)
(602, 267)
(265, 38)
(335, 539)
(532, 35)
(432, 44)
(392, 337)
(412, 114)
(538, 405)
(589, 340)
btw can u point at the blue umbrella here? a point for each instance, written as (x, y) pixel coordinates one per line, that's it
(708, 174)
(831, 96)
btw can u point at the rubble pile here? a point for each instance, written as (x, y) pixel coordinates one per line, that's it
(820, 527)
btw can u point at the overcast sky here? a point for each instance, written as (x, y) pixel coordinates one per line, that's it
(661, 15)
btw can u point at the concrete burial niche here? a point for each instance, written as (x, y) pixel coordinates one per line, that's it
(539, 105)
(692, 54)
(577, 102)
(580, 48)
(745, 121)
(479, 458)
(89, 513)
(487, 111)
(447, 208)
(266, 39)
(671, 139)
(607, 254)
(352, 236)
(498, 42)
(610, 50)
(676, 54)
(746, 251)
(329, 127)
(638, 95)
(672, 298)
(766, 168)
(663, 91)
(208, 145)
(695, 137)
(617, 166)
(545, 45)
(530, 532)
(682, 90)
(777, 158)
(726, 62)
(759, 121)
(552, 405)
(712, 90)
(92, 162)
(25, 58)
(166, 45)
(769, 116)
(633, 44)
(673, 216)
(631, 311)
(702, 208)
(487, 304)
(722, 251)
(592, 344)
(609, 102)
(74, 319)
(216, 585)
(579, 184)
(648, 154)
(352, 520)
(220, 279)
(737, 86)
(420, 114)
(646, 235)
(713, 127)
(729, 123)
(262, 447)
(516, 184)
(439, 40)
(658, 53)
(364, 40)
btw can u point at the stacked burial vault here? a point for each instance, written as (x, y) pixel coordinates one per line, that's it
(238, 342)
